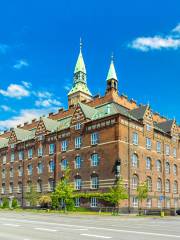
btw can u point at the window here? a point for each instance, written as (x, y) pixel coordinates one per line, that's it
(134, 160)
(78, 142)
(94, 160)
(148, 163)
(21, 155)
(30, 153)
(168, 204)
(19, 187)
(175, 169)
(94, 138)
(29, 186)
(175, 187)
(158, 166)
(3, 173)
(78, 162)
(78, 126)
(94, 182)
(4, 159)
(39, 186)
(51, 185)
(167, 186)
(64, 145)
(40, 151)
(30, 169)
(135, 139)
(148, 127)
(11, 187)
(94, 202)
(135, 202)
(3, 190)
(167, 149)
(11, 172)
(64, 164)
(77, 202)
(148, 143)
(149, 184)
(175, 203)
(159, 185)
(158, 147)
(174, 152)
(51, 148)
(149, 203)
(135, 181)
(39, 168)
(20, 171)
(167, 168)
(12, 157)
(77, 183)
(51, 166)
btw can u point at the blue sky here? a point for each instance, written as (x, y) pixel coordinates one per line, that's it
(39, 45)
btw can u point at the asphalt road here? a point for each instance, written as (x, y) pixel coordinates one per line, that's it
(29, 226)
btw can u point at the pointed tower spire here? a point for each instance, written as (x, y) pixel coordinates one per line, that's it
(112, 81)
(79, 91)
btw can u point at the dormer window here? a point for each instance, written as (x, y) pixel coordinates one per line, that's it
(78, 126)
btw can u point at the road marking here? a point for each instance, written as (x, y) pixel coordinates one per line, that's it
(10, 225)
(96, 236)
(46, 229)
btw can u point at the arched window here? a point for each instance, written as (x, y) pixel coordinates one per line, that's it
(64, 164)
(175, 169)
(175, 187)
(167, 185)
(159, 185)
(94, 159)
(94, 181)
(148, 163)
(135, 160)
(78, 161)
(51, 166)
(158, 166)
(135, 181)
(78, 183)
(167, 168)
(149, 184)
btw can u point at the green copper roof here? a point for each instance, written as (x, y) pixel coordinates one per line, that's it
(79, 86)
(23, 134)
(3, 142)
(88, 111)
(111, 72)
(80, 66)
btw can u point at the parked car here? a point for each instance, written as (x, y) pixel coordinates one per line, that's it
(178, 211)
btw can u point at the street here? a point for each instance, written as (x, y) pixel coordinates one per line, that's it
(32, 226)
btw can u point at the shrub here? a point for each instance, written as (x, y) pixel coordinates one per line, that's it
(45, 201)
(5, 203)
(14, 203)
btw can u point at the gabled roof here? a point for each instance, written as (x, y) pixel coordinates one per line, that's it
(165, 126)
(88, 111)
(22, 134)
(139, 112)
(50, 124)
(64, 123)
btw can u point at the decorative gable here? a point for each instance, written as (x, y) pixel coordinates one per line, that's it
(13, 138)
(148, 115)
(78, 115)
(41, 128)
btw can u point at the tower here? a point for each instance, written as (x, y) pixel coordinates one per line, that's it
(79, 91)
(112, 81)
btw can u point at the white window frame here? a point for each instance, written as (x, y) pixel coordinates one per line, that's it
(95, 182)
(135, 138)
(64, 145)
(94, 202)
(77, 183)
(135, 202)
(158, 147)
(94, 138)
(30, 153)
(94, 159)
(78, 142)
(77, 162)
(148, 144)
(51, 148)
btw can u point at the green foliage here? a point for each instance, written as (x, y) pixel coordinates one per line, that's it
(32, 196)
(117, 193)
(5, 203)
(14, 203)
(45, 201)
(64, 193)
(142, 193)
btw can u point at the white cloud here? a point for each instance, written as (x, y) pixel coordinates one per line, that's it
(21, 63)
(6, 108)
(170, 41)
(15, 91)
(26, 84)
(47, 103)
(25, 115)
(43, 94)
(3, 48)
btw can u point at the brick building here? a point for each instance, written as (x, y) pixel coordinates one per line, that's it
(100, 139)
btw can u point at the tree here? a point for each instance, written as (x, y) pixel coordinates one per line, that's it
(117, 193)
(32, 196)
(45, 201)
(63, 193)
(142, 193)
(14, 203)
